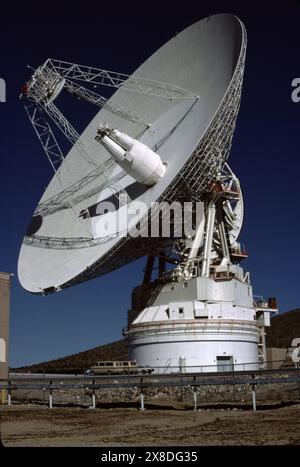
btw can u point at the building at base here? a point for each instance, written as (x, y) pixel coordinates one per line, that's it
(4, 322)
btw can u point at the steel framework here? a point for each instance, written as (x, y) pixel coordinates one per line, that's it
(90, 96)
(100, 77)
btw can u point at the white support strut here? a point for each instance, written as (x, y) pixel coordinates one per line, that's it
(208, 240)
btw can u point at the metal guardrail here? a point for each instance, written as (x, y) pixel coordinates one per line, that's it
(192, 381)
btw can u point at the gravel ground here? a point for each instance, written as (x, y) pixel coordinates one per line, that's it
(33, 425)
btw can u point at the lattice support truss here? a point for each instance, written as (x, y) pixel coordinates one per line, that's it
(45, 135)
(100, 77)
(94, 98)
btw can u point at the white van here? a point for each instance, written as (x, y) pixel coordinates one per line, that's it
(124, 367)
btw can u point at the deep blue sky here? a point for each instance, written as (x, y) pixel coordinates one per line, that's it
(265, 155)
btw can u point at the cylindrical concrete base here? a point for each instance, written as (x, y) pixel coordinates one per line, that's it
(193, 346)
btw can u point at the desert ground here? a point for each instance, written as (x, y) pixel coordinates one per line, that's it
(35, 425)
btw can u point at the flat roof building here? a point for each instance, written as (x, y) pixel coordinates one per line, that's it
(4, 322)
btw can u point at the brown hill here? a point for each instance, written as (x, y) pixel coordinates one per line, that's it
(81, 361)
(284, 328)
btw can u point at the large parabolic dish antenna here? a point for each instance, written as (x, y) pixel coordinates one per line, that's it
(182, 103)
